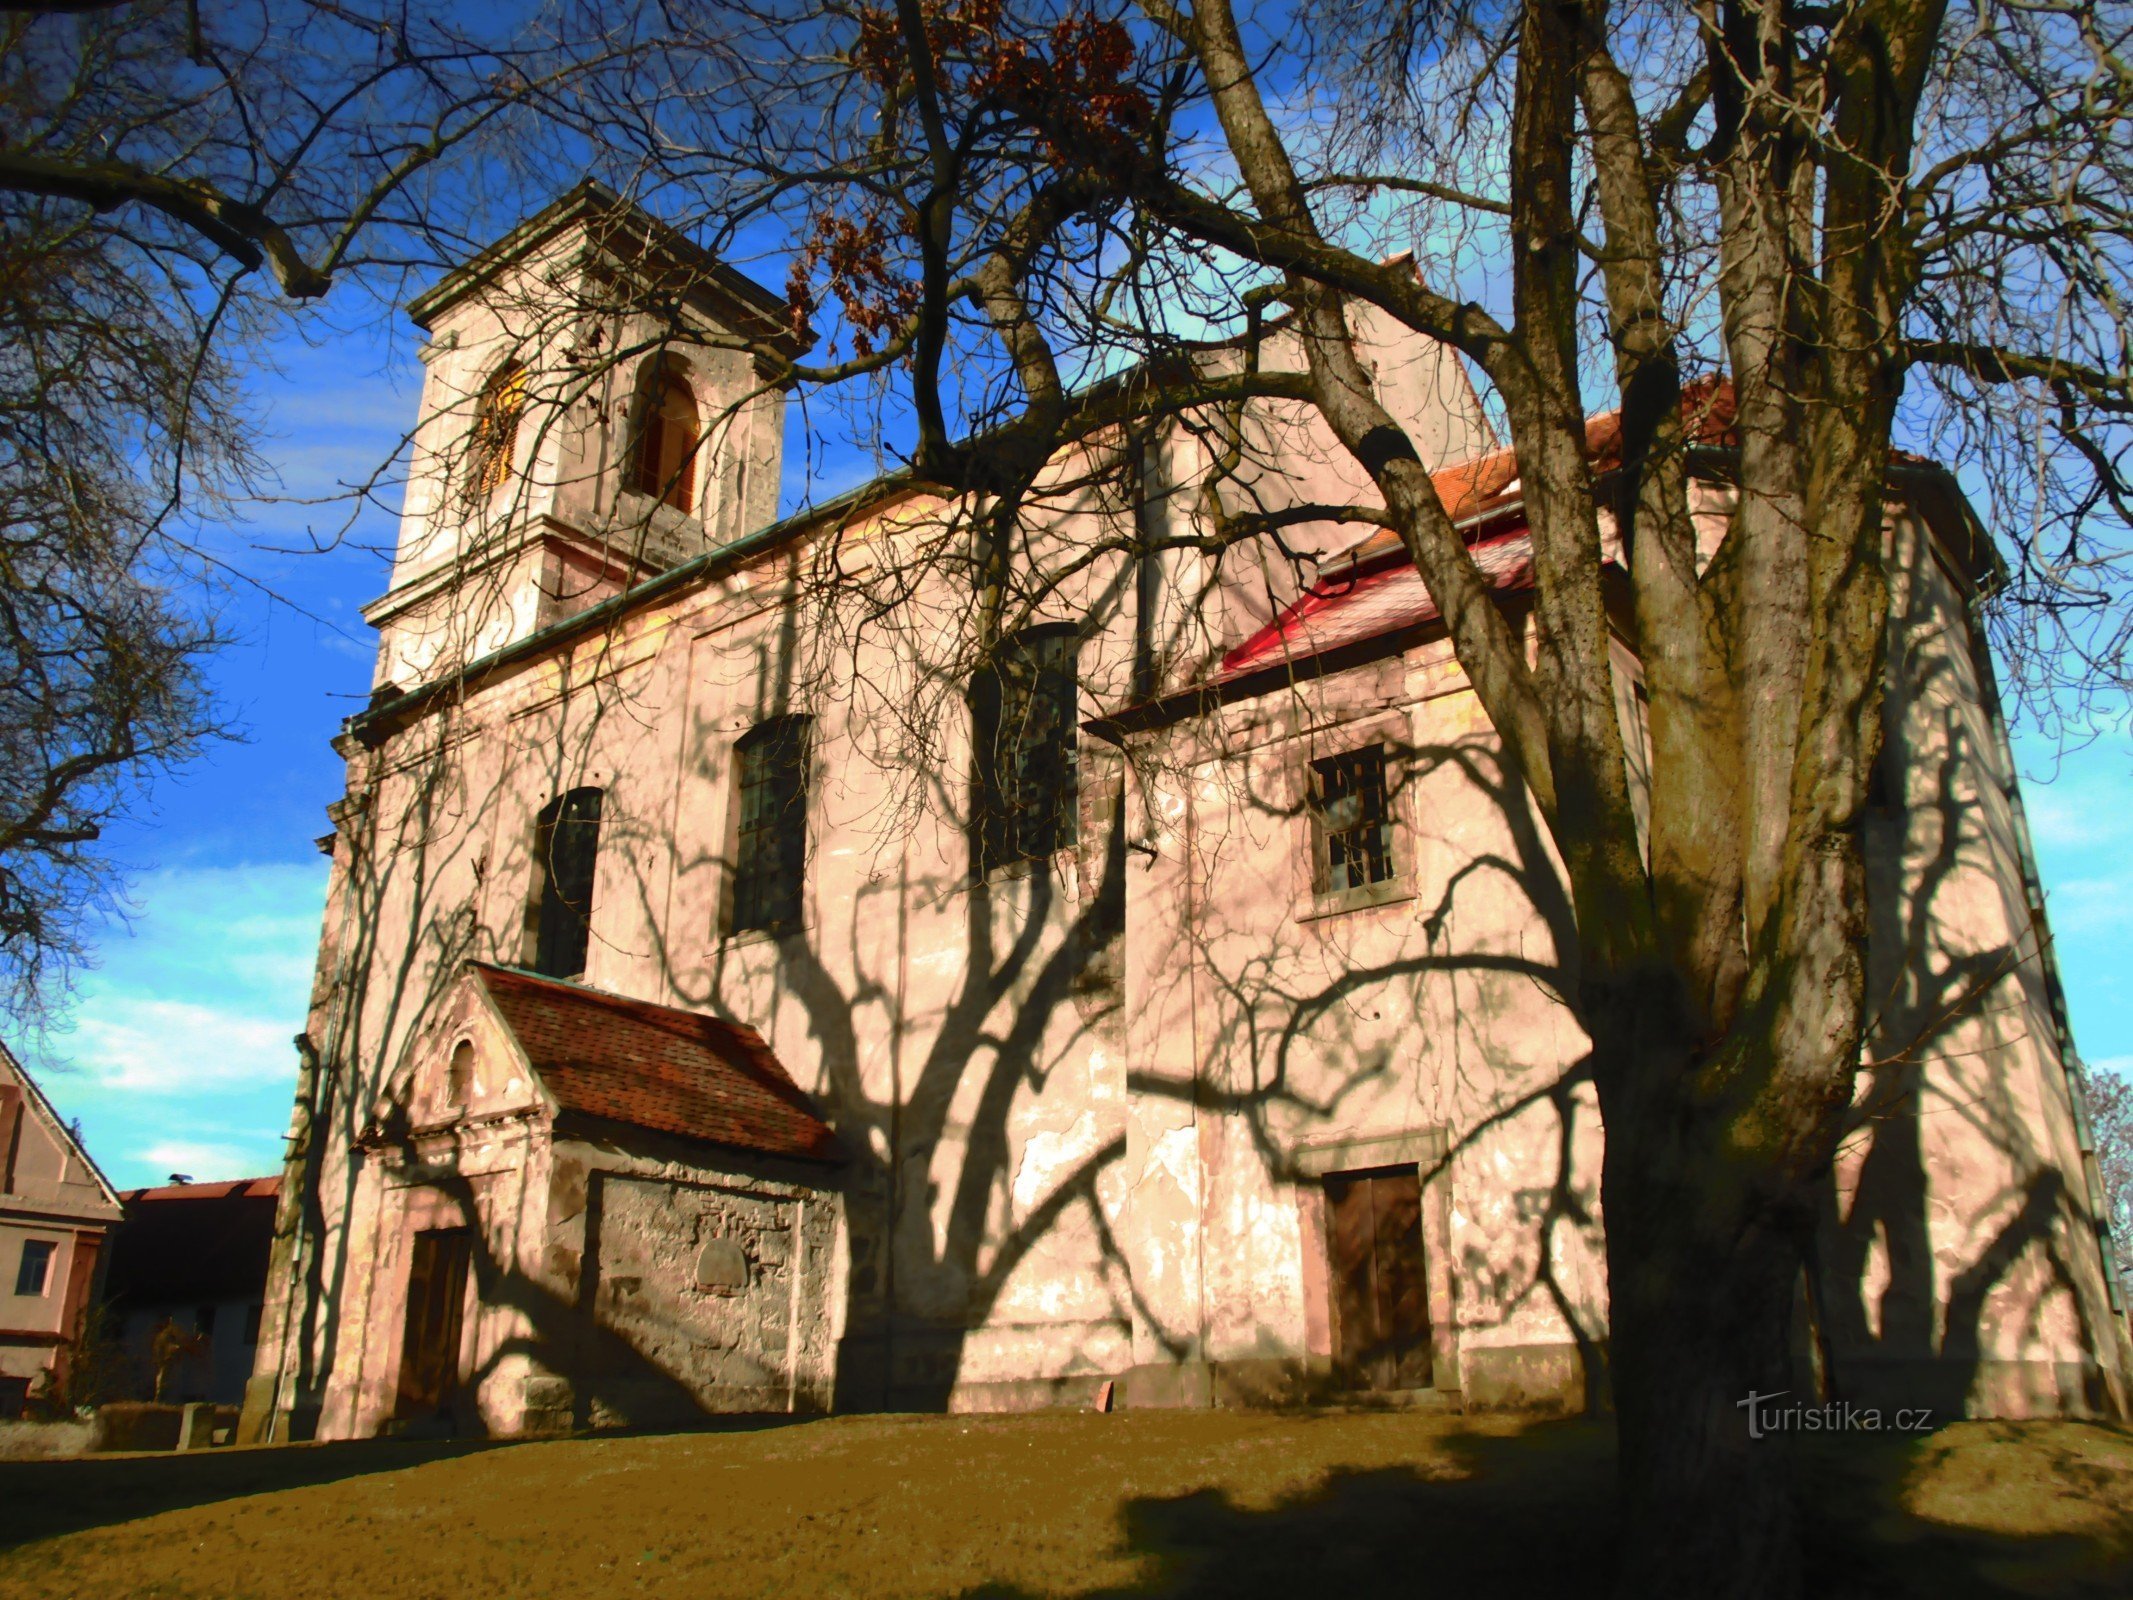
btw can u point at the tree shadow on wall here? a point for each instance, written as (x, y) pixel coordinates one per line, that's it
(1899, 1320)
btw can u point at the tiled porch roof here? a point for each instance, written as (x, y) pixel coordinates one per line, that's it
(658, 1067)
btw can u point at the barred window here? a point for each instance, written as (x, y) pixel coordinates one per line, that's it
(566, 842)
(1023, 723)
(667, 437)
(503, 401)
(770, 855)
(1353, 813)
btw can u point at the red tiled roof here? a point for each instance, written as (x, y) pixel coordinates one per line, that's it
(657, 1067)
(1353, 605)
(1374, 589)
(234, 1189)
(1474, 489)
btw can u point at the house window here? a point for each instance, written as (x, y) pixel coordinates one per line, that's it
(1352, 812)
(667, 436)
(1022, 714)
(34, 1275)
(770, 854)
(566, 843)
(495, 442)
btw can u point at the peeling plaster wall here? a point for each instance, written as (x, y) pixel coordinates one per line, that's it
(713, 1294)
(1281, 1033)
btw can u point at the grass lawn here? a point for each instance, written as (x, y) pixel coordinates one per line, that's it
(1353, 1505)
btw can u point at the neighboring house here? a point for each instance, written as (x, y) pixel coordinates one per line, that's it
(55, 1210)
(1183, 996)
(193, 1256)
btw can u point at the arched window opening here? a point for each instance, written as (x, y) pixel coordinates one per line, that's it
(566, 844)
(495, 442)
(667, 438)
(459, 1076)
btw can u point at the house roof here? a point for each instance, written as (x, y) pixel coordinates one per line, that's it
(1361, 602)
(36, 1100)
(194, 1242)
(1373, 592)
(233, 1189)
(676, 1072)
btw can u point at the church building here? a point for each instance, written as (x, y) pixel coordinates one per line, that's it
(741, 992)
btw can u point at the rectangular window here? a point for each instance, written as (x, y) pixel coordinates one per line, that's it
(566, 845)
(35, 1274)
(1022, 715)
(770, 853)
(1353, 812)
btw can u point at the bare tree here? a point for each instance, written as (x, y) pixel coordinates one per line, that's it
(2111, 1126)
(173, 181)
(1021, 225)
(1884, 225)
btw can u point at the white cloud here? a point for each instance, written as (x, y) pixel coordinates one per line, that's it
(203, 1163)
(141, 1042)
(2061, 818)
(180, 1057)
(2091, 907)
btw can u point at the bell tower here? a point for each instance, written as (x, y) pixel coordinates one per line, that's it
(599, 405)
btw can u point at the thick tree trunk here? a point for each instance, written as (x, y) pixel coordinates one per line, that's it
(1700, 1307)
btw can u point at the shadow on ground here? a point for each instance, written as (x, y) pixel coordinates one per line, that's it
(1533, 1515)
(1057, 1505)
(42, 1499)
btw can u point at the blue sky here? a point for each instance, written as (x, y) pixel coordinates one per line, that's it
(179, 1058)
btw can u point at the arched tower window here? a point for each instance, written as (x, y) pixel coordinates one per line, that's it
(667, 437)
(495, 441)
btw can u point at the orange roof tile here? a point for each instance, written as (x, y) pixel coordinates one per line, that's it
(658, 1067)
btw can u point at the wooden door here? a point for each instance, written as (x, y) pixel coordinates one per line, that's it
(1380, 1296)
(436, 1298)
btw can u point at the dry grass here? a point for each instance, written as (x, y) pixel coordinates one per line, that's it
(1350, 1504)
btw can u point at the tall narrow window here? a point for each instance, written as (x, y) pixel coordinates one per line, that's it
(459, 1075)
(495, 441)
(667, 436)
(1022, 713)
(770, 855)
(566, 844)
(1353, 813)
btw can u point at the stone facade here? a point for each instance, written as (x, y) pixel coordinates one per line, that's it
(1134, 1107)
